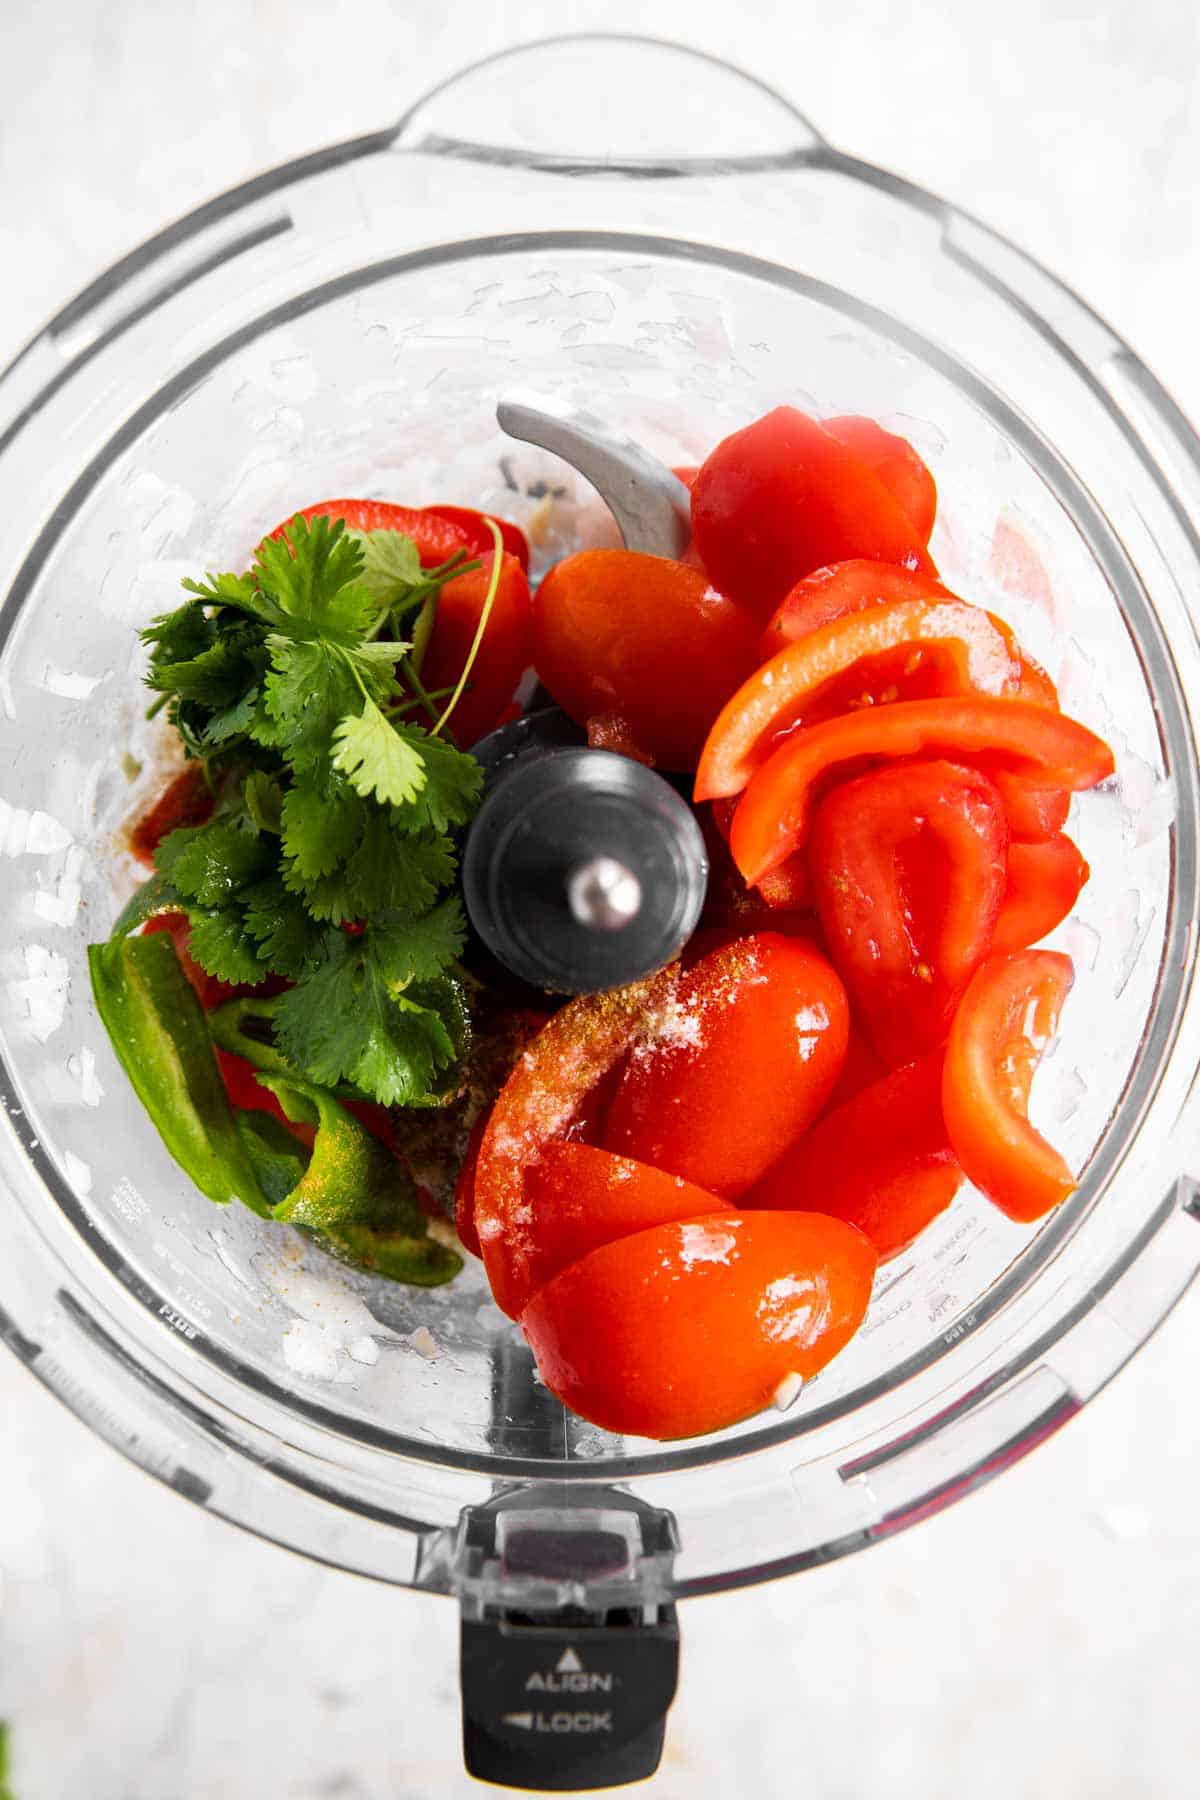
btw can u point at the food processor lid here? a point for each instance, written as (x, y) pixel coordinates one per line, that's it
(646, 151)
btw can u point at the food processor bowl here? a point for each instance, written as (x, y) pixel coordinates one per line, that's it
(647, 232)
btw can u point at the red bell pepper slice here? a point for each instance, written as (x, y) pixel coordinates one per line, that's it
(882, 1161)
(473, 525)
(692, 1325)
(437, 539)
(1044, 882)
(504, 655)
(745, 1064)
(783, 497)
(896, 463)
(836, 670)
(644, 637)
(772, 818)
(1007, 1017)
(909, 870)
(851, 587)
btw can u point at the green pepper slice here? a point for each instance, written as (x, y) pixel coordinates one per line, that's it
(157, 1028)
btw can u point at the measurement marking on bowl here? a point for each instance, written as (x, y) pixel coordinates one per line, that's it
(126, 1200)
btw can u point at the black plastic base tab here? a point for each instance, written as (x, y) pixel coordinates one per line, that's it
(565, 1707)
(570, 1642)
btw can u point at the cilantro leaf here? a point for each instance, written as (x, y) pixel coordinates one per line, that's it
(232, 721)
(262, 797)
(453, 783)
(387, 873)
(177, 637)
(217, 940)
(391, 565)
(286, 937)
(322, 823)
(210, 863)
(407, 950)
(217, 675)
(401, 1054)
(341, 1023)
(378, 757)
(237, 591)
(309, 690)
(311, 573)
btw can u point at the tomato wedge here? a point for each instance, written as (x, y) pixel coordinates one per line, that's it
(851, 587)
(783, 497)
(1044, 882)
(787, 889)
(862, 1068)
(645, 637)
(882, 1161)
(436, 538)
(896, 463)
(758, 1038)
(583, 1197)
(785, 692)
(473, 525)
(772, 817)
(187, 800)
(541, 1102)
(1006, 1018)
(696, 1324)
(909, 870)
(504, 655)
(1035, 812)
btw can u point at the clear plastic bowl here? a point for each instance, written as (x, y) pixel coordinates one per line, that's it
(651, 233)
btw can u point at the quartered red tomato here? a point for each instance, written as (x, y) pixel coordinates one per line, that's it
(1045, 747)
(645, 638)
(882, 1161)
(696, 1324)
(786, 890)
(897, 465)
(505, 653)
(1036, 810)
(541, 1103)
(1007, 1017)
(744, 1060)
(583, 1197)
(1044, 881)
(783, 497)
(907, 650)
(909, 871)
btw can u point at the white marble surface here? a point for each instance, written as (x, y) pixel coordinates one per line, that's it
(1040, 1639)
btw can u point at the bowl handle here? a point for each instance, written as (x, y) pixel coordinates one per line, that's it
(592, 102)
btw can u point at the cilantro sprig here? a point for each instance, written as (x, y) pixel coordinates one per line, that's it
(293, 683)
